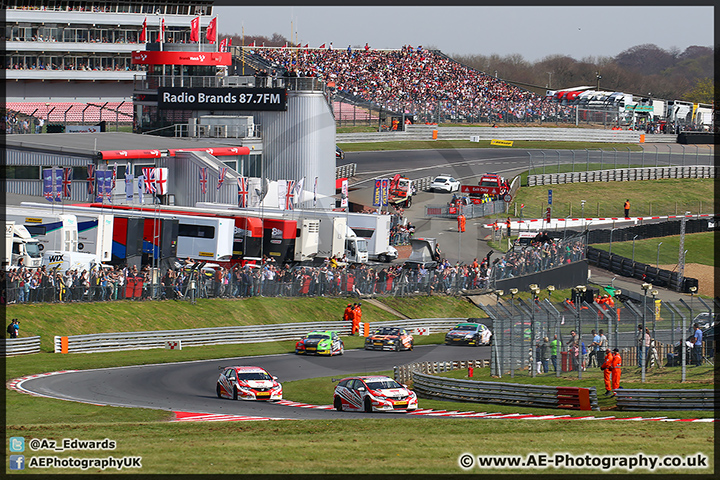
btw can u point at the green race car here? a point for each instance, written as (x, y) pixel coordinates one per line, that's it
(320, 343)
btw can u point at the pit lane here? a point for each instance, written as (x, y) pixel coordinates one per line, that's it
(190, 386)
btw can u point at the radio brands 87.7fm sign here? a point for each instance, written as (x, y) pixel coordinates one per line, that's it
(233, 98)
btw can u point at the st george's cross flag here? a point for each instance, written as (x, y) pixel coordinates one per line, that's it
(161, 180)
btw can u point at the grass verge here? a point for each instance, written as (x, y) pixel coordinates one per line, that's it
(647, 198)
(48, 320)
(372, 446)
(700, 247)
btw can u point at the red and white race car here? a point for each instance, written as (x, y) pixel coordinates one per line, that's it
(248, 383)
(373, 394)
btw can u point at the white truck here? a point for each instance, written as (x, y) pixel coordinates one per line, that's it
(21, 250)
(375, 229)
(95, 230)
(57, 237)
(320, 233)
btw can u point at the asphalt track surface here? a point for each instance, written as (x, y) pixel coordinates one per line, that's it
(190, 386)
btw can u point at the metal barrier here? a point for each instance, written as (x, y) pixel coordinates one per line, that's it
(21, 346)
(515, 394)
(403, 373)
(425, 132)
(623, 175)
(103, 342)
(470, 211)
(676, 399)
(345, 171)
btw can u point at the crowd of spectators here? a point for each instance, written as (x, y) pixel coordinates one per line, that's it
(417, 81)
(22, 285)
(542, 254)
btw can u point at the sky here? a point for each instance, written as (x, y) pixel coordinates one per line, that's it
(532, 32)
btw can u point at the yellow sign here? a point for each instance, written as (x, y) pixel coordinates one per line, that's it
(502, 143)
(206, 254)
(657, 309)
(33, 220)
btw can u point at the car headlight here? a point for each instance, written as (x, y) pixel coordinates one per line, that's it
(391, 341)
(469, 335)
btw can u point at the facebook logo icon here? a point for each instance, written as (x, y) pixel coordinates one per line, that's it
(17, 462)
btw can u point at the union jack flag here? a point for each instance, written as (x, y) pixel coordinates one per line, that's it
(91, 178)
(67, 178)
(242, 192)
(149, 174)
(289, 195)
(114, 175)
(221, 177)
(203, 180)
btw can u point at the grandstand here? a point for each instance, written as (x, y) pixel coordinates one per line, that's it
(74, 112)
(415, 81)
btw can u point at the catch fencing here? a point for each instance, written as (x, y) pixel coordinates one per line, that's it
(520, 330)
(403, 373)
(542, 162)
(21, 346)
(105, 342)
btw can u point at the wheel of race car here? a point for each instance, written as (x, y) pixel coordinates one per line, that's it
(235, 395)
(342, 349)
(337, 403)
(397, 347)
(412, 345)
(368, 405)
(218, 390)
(477, 341)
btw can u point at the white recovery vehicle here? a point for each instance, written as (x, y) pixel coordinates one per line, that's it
(21, 250)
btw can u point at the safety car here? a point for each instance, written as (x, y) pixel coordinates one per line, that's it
(373, 394)
(468, 334)
(389, 338)
(247, 383)
(320, 343)
(445, 183)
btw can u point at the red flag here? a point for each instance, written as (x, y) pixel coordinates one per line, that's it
(195, 29)
(322, 46)
(211, 33)
(143, 32)
(223, 45)
(161, 34)
(307, 45)
(252, 44)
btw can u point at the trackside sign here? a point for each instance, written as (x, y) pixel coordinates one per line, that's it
(233, 98)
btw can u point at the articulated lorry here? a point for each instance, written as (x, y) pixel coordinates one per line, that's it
(57, 236)
(21, 250)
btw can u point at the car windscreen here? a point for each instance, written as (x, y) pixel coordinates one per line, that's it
(470, 328)
(318, 337)
(254, 376)
(387, 331)
(440, 180)
(383, 384)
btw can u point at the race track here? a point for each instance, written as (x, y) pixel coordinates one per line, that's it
(190, 386)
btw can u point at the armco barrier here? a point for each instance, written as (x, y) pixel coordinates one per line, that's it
(441, 388)
(425, 132)
(623, 175)
(677, 399)
(105, 342)
(20, 346)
